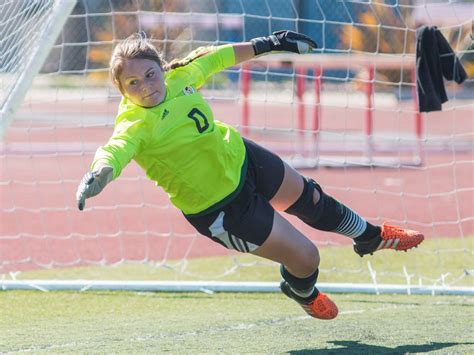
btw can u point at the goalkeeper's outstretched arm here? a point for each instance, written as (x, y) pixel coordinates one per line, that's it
(92, 184)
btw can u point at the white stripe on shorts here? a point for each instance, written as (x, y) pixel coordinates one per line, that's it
(230, 241)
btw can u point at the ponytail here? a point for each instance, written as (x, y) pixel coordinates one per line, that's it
(197, 53)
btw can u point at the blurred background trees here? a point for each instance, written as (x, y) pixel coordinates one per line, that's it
(178, 26)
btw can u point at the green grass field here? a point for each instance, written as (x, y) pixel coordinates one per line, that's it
(128, 322)
(102, 322)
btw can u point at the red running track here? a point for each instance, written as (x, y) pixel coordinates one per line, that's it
(132, 219)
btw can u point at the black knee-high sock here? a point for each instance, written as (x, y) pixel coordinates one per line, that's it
(305, 288)
(328, 214)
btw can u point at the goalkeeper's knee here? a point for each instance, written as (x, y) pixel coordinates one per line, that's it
(324, 213)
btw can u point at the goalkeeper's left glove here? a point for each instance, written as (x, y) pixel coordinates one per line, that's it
(283, 41)
(92, 184)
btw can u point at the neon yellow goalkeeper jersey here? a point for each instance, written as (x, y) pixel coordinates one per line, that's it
(200, 162)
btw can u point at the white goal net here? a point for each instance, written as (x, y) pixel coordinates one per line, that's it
(346, 115)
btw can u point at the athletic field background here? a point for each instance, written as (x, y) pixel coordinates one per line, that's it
(50, 146)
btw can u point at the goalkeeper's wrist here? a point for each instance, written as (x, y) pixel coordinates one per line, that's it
(105, 173)
(263, 45)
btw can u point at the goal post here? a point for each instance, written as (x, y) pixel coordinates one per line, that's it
(29, 30)
(345, 115)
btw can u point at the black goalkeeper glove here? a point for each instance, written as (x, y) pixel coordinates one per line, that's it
(92, 184)
(283, 41)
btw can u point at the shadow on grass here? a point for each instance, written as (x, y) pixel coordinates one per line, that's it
(356, 347)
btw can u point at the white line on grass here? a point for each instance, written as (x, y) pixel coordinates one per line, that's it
(246, 326)
(44, 348)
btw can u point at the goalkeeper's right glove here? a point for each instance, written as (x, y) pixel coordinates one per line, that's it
(92, 184)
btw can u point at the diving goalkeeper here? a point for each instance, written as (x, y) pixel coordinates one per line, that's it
(228, 187)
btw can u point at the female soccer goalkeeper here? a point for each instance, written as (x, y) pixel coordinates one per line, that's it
(227, 187)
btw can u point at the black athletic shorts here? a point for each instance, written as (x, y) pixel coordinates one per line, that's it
(246, 222)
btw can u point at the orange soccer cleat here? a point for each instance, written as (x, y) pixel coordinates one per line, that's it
(320, 307)
(392, 237)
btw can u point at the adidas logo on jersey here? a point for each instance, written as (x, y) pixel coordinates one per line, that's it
(164, 114)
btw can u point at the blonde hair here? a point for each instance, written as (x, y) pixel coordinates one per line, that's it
(138, 46)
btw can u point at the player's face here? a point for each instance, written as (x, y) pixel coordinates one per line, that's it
(142, 82)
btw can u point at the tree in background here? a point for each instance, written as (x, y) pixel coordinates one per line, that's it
(381, 29)
(388, 29)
